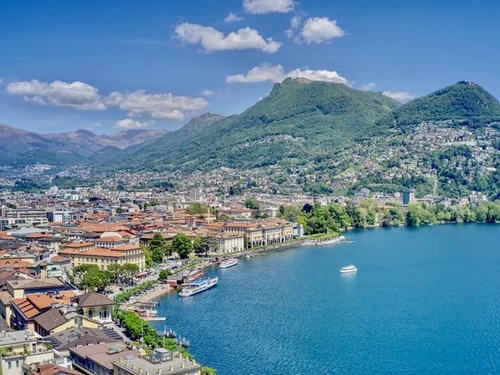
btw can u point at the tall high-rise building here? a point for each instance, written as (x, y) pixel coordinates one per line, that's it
(408, 196)
(195, 195)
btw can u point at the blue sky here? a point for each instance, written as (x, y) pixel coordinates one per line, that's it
(114, 65)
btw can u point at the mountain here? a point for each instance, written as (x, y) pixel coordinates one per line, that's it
(299, 121)
(85, 143)
(198, 123)
(21, 147)
(465, 101)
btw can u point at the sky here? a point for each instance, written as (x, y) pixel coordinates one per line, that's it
(108, 66)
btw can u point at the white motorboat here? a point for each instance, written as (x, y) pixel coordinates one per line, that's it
(228, 263)
(348, 269)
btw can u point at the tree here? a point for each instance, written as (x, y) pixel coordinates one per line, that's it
(203, 245)
(182, 245)
(252, 203)
(158, 248)
(129, 271)
(95, 279)
(197, 209)
(116, 270)
(80, 271)
(164, 274)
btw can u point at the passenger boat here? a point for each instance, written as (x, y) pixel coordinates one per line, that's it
(348, 269)
(198, 286)
(228, 263)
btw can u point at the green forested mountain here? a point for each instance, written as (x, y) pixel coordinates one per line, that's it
(298, 121)
(461, 101)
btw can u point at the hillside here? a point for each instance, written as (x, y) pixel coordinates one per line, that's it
(298, 121)
(461, 101)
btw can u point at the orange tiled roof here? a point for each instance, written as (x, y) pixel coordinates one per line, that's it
(94, 252)
(78, 245)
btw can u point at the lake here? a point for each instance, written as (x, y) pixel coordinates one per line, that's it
(424, 301)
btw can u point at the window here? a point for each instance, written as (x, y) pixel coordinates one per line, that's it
(17, 363)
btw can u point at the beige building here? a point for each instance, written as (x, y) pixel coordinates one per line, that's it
(261, 233)
(102, 257)
(228, 243)
(95, 306)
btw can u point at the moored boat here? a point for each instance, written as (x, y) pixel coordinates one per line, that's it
(198, 286)
(348, 269)
(228, 263)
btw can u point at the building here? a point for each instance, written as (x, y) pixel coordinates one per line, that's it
(195, 195)
(22, 351)
(51, 369)
(261, 233)
(84, 253)
(408, 196)
(25, 216)
(161, 361)
(99, 358)
(227, 243)
(95, 306)
(59, 216)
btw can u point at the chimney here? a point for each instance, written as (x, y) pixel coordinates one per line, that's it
(133, 366)
(183, 365)
(140, 370)
(171, 368)
(159, 371)
(121, 359)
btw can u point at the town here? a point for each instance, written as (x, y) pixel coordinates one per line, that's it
(78, 266)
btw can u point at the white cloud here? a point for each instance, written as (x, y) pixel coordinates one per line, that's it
(128, 124)
(320, 30)
(265, 72)
(206, 93)
(76, 95)
(368, 86)
(160, 106)
(212, 40)
(268, 6)
(401, 96)
(318, 75)
(231, 17)
(294, 25)
(1, 81)
(276, 73)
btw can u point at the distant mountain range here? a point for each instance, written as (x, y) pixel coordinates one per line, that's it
(24, 147)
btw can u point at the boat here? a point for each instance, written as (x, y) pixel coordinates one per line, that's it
(145, 309)
(348, 269)
(155, 319)
(198, 286)
(228, 263)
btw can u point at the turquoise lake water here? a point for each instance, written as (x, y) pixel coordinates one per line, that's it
(424, 301)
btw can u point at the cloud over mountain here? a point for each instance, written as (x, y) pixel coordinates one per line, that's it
(276, 73)
(159, 106)
(400, 96)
